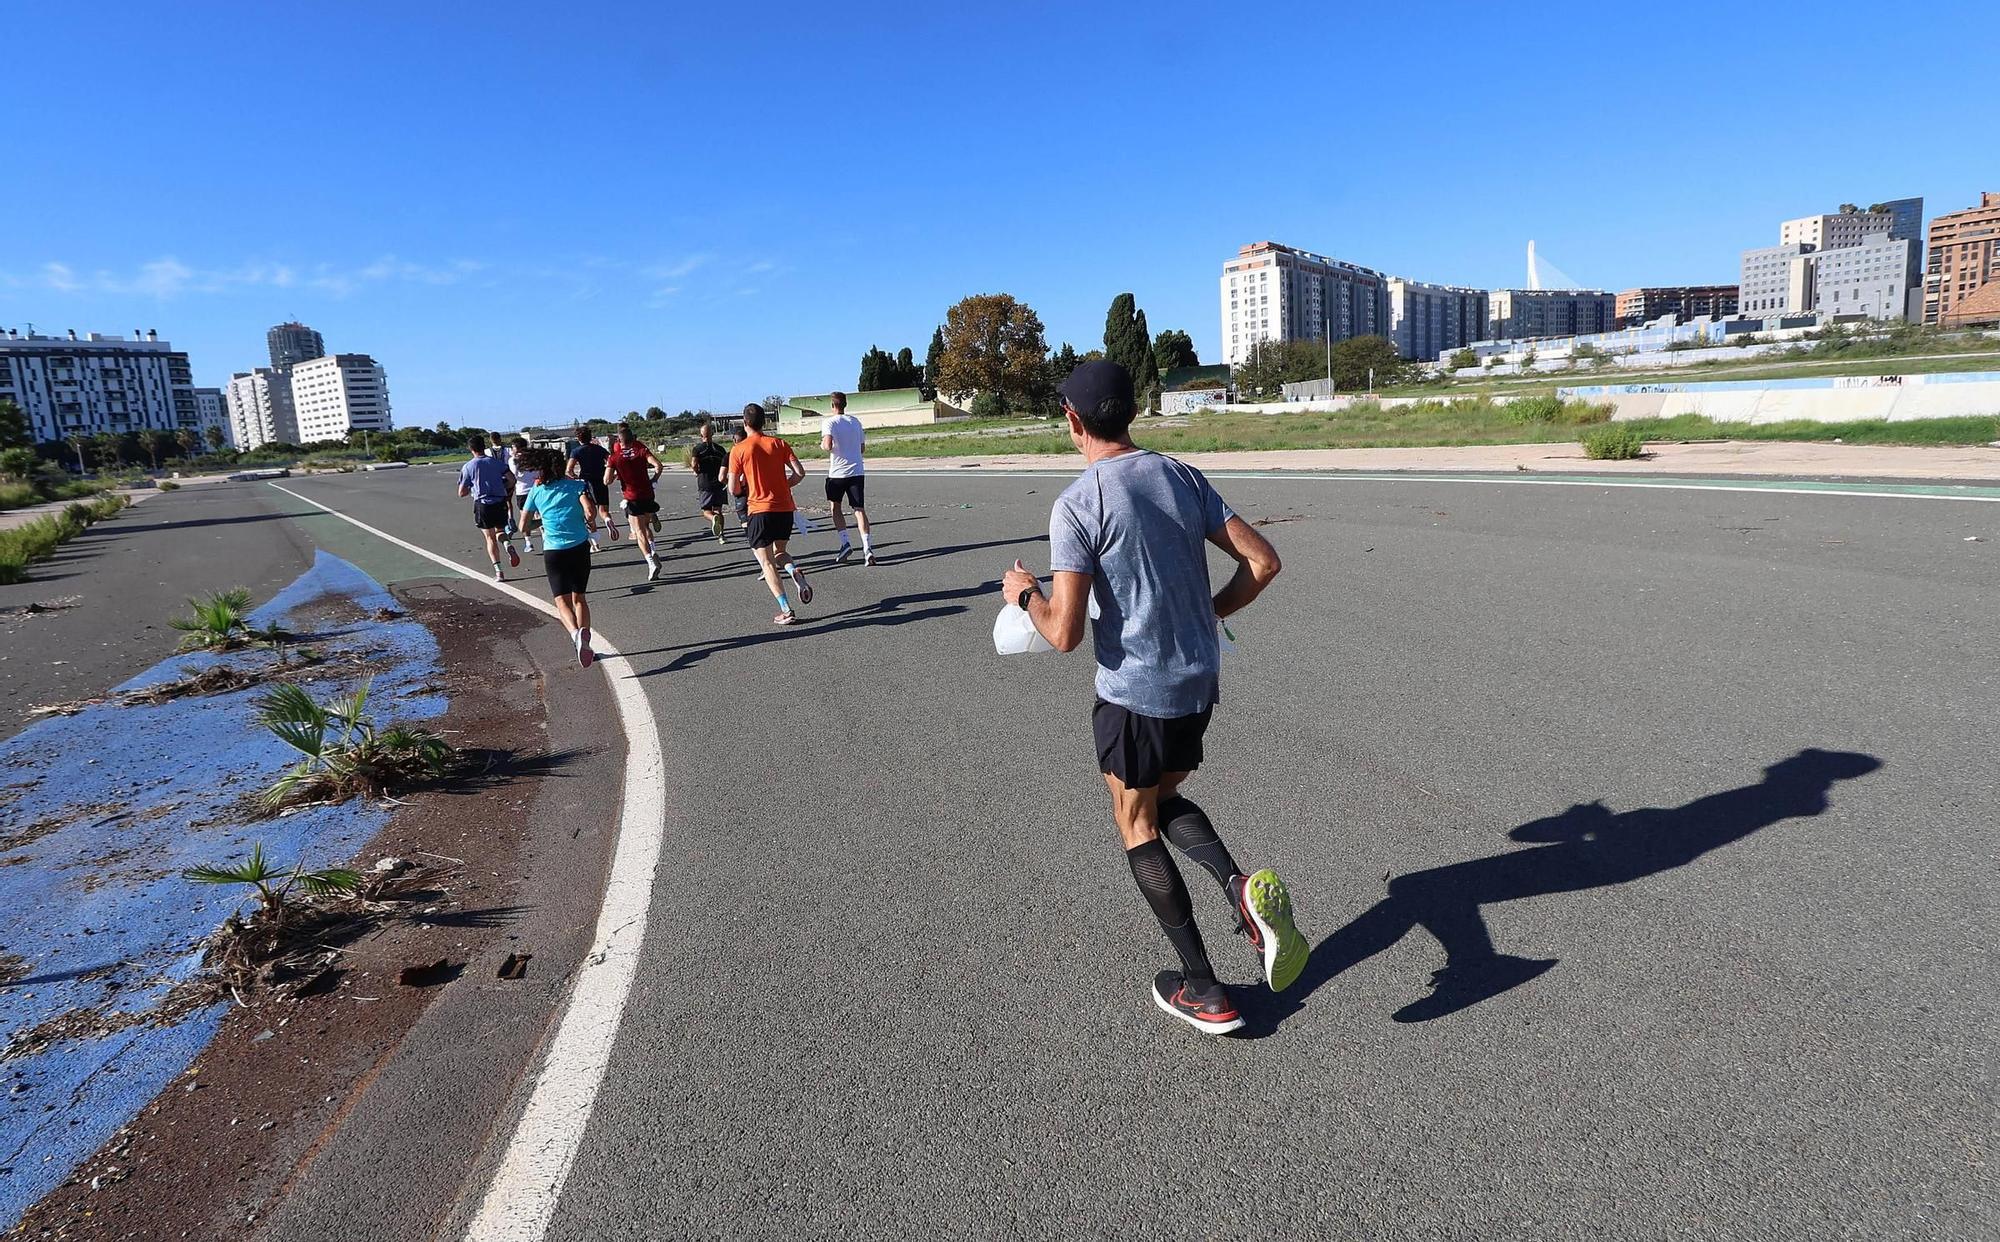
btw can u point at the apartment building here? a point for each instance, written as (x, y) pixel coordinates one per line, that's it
(211, 409)
(293, 343)
(1870, 277)
(1426, 320)
(1522, 314)
(339, 393)
(1684, 302)
(1776, 280)
(260, 408)
(1962, 259)
(71, 385)
(1271, 292)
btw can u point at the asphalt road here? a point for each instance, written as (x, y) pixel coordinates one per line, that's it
(897, 982)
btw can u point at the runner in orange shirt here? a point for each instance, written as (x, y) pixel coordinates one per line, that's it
(765, 469)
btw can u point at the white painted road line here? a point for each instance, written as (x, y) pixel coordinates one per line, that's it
(529, 1181)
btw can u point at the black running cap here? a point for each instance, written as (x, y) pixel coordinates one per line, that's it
(1093, 383)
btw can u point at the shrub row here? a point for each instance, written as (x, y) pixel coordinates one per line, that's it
(37, 540)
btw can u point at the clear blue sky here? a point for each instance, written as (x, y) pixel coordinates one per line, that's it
(539, 212)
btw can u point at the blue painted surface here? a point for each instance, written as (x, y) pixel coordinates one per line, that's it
(96, 910)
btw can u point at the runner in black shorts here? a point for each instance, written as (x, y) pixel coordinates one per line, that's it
(486, 481)
(1132, 532)
(846, 479)
(708, 460)
(566, 508)
(586, 462)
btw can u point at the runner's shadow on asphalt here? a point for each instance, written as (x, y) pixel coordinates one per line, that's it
(1587, 846)
(885, 612)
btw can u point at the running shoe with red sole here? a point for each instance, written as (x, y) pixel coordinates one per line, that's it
(1265, 909)
(805, 588)
(1206, 1009)
(513, 557)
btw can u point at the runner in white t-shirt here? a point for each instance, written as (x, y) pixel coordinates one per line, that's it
(842, 439)
(525, 478)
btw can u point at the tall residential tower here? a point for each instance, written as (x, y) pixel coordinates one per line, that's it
(293, 343)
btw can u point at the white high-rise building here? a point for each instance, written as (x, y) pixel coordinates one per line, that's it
(260, 409)
(1276, 293)
(211, 409)
(337, 394)
(81, 386)
(1824, 232)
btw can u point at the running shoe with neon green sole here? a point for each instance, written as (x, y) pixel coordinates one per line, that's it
(1266, 910)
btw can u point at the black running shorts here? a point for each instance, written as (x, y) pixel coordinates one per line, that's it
(568, 569)
(1138, 750)
(849, 490)
(491, 515)
(642, 508)
(769, 528)
(713, 498)
(602, 495)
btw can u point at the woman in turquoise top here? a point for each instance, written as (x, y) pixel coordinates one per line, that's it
(568, 511)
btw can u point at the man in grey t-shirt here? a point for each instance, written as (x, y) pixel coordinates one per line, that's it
(1131, 535)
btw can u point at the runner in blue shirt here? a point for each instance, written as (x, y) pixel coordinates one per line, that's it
(488, 482)
(568, 511)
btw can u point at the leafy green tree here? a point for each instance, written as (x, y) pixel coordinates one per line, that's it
(1355, 357)
(1273, 364)
(14, 432)
(1173, 349)
(993, 343)
(1463, 359)
(18, 463)
(1127, 343)
(908, 373)
(654, 413)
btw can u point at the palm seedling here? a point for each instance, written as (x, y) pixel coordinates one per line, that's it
(341, 754)
(218, 621)
(275, 885)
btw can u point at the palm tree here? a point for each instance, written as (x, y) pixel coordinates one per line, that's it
(215, 438)
(109, 449)
(185, 439)
(153, 439)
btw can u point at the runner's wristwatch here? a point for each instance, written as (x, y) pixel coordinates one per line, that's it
(1021, 600)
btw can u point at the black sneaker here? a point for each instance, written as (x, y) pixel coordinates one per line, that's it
(1205, 1007)
(845, 554)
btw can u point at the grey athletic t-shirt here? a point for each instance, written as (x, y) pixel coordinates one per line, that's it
(1137, 523)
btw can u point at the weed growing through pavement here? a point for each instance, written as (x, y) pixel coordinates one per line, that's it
(1613, 442)
(218, 623)
(344, 756)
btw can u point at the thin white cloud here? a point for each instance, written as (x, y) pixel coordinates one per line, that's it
(167, 277)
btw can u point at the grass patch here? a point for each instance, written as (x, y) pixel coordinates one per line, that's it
(1921, 431)
(25, 495)
(1365, 424)
(37, 539)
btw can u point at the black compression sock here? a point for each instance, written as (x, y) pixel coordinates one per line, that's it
(1187, 826)
(1160, 881)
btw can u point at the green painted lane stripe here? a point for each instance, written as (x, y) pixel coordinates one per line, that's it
(1798, 487)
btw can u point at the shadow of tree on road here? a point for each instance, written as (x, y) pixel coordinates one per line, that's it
(1587, 846)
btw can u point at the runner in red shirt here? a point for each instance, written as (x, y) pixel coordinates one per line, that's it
(634, 468)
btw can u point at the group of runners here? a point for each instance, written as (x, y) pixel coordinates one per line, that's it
(1128, 544)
